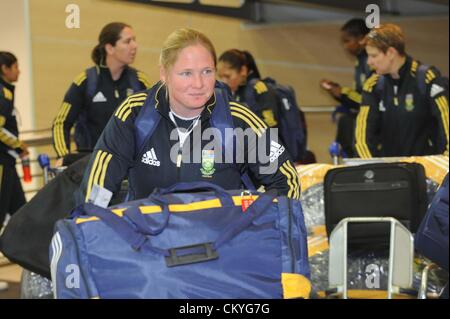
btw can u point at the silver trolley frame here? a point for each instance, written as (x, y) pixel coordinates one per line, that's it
(401, 255)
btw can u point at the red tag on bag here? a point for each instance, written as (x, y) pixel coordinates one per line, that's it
(246, 202)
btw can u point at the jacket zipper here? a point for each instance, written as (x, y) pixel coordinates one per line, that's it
(396, 95)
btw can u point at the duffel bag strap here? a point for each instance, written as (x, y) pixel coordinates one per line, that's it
(256, 209)
(222, 194)
(121, 227)
(141, 222)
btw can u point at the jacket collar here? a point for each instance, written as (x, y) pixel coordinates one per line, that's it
(7, 85)
(103, 69)
(162, 102)
(404, 70)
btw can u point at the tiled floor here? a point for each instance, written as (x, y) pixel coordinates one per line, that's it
(11, 274)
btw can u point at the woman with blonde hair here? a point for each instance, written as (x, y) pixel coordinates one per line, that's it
(151, 138)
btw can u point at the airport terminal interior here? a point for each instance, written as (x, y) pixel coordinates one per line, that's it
(299, 43)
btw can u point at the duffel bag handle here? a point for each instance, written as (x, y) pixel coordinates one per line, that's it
(120, 226)
(208, 251)
(135, 215)
(225, 198)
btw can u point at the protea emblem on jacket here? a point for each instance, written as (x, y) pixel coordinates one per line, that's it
(207, 168)
(409, 102)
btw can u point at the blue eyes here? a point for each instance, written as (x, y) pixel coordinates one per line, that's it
(189, 73)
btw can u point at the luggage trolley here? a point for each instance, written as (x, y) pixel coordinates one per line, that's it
(35, 286)
(401, 255)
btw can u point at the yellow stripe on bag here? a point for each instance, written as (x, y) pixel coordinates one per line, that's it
(177, 208)
(295, 286)
(182, 208)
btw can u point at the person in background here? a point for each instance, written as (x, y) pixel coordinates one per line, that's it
(274, 103)
(352, 35)
(96, 92)
(238, 70)
(404, 109)
(11, 147)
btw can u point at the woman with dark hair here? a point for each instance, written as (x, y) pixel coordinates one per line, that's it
(239, 71)
(352, 35)
(11, 192)
(96, 92)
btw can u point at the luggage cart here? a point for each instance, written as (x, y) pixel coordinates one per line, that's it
(35, 286)
(401, 256)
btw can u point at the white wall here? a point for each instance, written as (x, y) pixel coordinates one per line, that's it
(15, 37)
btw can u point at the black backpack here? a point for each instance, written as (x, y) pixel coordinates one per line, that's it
(292, 124)
(27, 237)
(82, 136)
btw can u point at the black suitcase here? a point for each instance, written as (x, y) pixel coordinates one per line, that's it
(375, 190)
(27, 237)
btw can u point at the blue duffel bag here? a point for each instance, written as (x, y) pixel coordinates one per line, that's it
(431, 238)
(183, 245)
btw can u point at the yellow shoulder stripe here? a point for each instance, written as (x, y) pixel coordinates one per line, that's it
(124, 110)
(245, 110)
(430, 76)
(260, 87)
(414, 66)
(80, 78)
(370, 83)
(142, 77)
(249, 123)
(8, 94)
